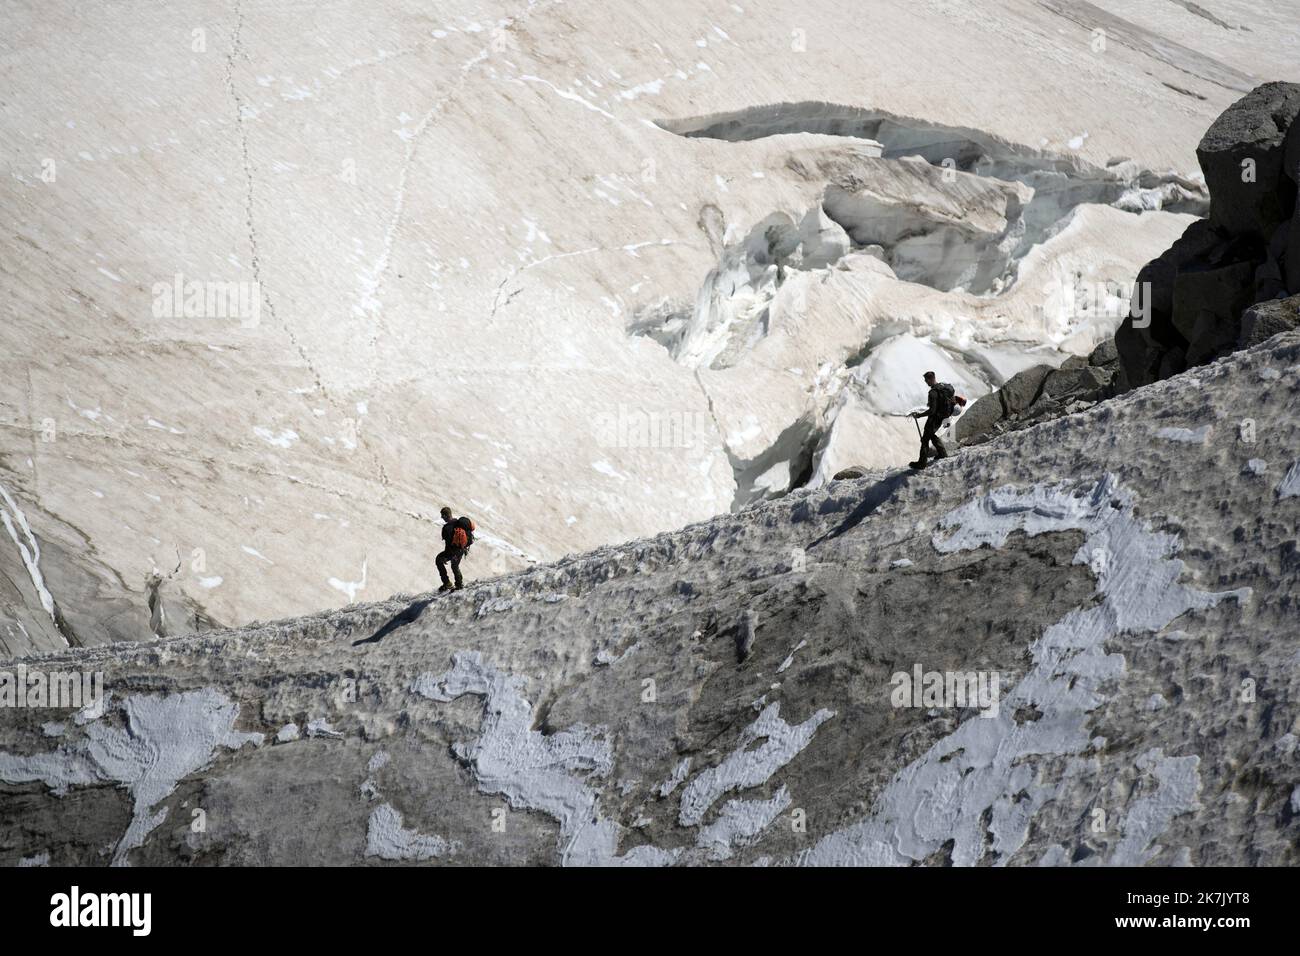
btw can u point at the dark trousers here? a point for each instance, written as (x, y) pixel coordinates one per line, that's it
(931, 437)
(453, 555)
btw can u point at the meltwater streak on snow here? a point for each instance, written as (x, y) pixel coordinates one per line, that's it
(31, 551)
(351, 588)
(284, 439)
(744, 768)
(985, 765)
(536, 771)
(570, 95)
(165, 740)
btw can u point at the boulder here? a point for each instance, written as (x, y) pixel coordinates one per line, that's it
(1174, 362)
(1104, 354)
(1037, 394)
(1198, 242)
(977, 422)
(1189, 303)
(1272, 278)
(1266, 319)
(1079, 383)
(850, 473)
(1242, 156)
(1022, 388)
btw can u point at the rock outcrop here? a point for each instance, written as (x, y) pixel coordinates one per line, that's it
(1113, 592)
(1040, 393)
(1229, 282)
(1193, 299)
(1264, 320)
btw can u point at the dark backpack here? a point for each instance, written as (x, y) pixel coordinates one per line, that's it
(947, 399)
(462, 532)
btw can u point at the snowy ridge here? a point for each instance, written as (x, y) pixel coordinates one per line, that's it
(722, 694)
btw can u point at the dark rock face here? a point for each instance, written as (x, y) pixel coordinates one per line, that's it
(1204, 302)
(1190, 301)
(1242, 156)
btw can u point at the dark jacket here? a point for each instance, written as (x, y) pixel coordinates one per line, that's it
(447, 528)
(934, 404)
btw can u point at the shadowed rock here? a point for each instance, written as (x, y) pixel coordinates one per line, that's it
(1190, 301)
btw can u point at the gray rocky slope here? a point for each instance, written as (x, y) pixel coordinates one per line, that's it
(722, 694)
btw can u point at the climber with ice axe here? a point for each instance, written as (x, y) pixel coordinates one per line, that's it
(940, 405)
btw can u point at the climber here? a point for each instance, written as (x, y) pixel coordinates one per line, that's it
(457, 535)
(940, 405)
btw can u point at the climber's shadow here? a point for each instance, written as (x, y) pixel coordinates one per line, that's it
(876, 496)
(401, 619)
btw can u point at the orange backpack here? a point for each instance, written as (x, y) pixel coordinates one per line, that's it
(462, 535)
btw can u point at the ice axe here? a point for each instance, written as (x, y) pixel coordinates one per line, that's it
(912, 416)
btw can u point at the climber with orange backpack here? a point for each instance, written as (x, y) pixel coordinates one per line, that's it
(457, 536)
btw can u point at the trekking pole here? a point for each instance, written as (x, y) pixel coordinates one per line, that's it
(918, 428)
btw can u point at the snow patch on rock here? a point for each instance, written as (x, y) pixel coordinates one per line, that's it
(1178, 782)
(1192, 436)
(739, 823)
(163, 740)
(745, 768)
(535, 771)
(1290, 485)
(387, 839)
(990, 766)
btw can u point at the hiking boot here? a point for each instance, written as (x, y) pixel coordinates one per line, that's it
(459, 587)
(445, 587)
(918, 465)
